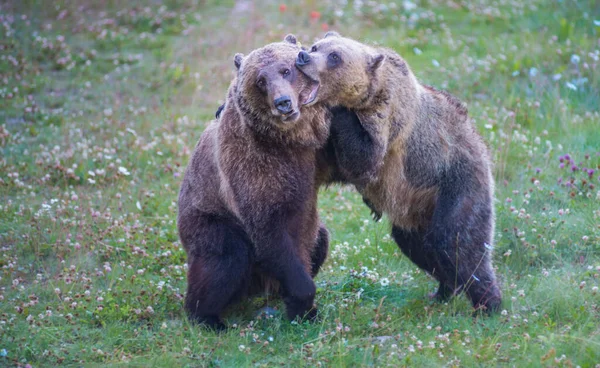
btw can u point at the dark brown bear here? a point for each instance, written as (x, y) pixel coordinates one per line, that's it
(247, 206)
(413, 155)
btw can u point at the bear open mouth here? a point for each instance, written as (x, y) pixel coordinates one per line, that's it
(312, 96)
(292, 115)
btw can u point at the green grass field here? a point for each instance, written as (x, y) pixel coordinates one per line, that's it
(101, 103)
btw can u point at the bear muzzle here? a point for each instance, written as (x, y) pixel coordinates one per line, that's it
(303, 59)
(283, 104)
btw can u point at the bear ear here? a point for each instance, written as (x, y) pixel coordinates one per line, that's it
(237, 60)
(332, 34)
(376, 62)
(290, 38)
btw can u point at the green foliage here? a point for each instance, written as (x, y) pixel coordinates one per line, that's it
(102, 103)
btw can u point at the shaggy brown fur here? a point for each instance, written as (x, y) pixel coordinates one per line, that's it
(247, 206)
(427, 168)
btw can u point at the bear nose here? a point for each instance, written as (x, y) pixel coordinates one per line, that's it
(303, 58)
(283, 104)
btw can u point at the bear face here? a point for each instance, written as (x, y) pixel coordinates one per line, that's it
(270, 90)
(345, 69)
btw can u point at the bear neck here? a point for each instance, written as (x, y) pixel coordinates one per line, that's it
(397, 88)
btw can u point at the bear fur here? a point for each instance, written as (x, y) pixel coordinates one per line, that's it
(328, 171)
(414, 156)
(247, 204)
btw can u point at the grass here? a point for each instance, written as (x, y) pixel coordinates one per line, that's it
(102, 102)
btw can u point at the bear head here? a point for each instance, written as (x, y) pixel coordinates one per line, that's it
(347, 70)
(269, 89)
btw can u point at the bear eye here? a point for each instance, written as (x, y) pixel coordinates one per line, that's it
(313, 49)
(333, 60)
(286, 72)
(261, 83)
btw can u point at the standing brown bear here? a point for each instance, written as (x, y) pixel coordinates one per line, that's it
(247, 206)
(413, 155)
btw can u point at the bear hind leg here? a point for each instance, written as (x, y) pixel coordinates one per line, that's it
(216, 279)
(460, 235)
(474, 276)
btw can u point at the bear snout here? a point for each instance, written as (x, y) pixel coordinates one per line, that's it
(303, 59)
(283, 104)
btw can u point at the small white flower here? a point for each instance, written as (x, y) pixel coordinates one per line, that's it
(408, 5)
(417, 51)
(435, 63)
(123, 171)
(108, 112)
(575, 59)
(384, 281)
(533, 72)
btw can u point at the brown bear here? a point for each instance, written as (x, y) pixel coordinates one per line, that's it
(414, 156)
(247, 205)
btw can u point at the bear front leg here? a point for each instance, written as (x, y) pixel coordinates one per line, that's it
(320, 251)
(377, 214)
(358, 143)
(278, 258)
(377, 126)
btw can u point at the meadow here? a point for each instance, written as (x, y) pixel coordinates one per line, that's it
(102, 102)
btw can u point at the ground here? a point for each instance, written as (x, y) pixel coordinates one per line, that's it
(101, 103)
